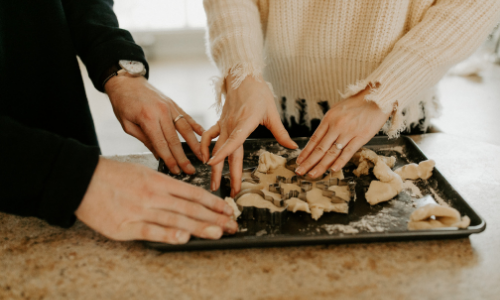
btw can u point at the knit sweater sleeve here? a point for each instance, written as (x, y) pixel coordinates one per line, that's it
(449, 32)
(235, 40)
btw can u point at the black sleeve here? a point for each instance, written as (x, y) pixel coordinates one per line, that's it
(97, 39)
(43, 174)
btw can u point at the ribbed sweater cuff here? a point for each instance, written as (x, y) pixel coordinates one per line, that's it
(67, 183)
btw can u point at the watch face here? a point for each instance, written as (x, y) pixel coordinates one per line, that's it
(132, 67)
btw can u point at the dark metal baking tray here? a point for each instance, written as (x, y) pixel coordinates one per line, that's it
(383, 222)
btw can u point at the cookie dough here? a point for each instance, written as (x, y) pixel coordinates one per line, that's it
(295, 204)
(342, 192)
(287, 187)
(319, 204)
(236, 211)
(413, 171)
(436, 216)
(365, 159)
(389, 186)
(258, 201)
(269, 161)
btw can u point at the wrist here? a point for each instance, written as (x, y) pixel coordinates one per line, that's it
(116, 81)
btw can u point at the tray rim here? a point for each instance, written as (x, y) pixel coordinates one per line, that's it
(283, 240)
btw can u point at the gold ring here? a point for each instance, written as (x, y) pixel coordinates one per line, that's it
(178, 118)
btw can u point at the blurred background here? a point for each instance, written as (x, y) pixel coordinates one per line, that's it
(172, 34)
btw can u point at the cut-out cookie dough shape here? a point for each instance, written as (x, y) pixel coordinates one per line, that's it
(341, 191)
(256, 200)
(389, 186)
(236, 211)
(436, 216)
(319, 204)
(413, 171)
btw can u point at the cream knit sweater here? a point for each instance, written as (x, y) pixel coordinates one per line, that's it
(327, 50)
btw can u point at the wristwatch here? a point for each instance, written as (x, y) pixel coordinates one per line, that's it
(133, 68)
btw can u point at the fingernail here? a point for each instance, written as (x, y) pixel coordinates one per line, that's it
(213, 187)
(299, 170)
(228, 210)
(299, 160)
(231, 226)
(176, 170)
(334, 169)
(210, 160)
(312, 174)
(200, 156)
(190, 168)
(295, 144)
(212, 232)
(182, 236)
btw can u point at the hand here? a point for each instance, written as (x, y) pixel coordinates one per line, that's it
(251, 104)
(131, 202)
(351, 123)
(147, 114)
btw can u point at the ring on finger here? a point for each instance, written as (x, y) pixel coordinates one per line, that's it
(339, 146)
(178, 118)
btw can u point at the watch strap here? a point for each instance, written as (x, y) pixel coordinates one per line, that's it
(109, 73)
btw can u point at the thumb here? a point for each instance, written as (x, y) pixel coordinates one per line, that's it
(279, 132)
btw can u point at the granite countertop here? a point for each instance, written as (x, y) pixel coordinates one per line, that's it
(38, 261)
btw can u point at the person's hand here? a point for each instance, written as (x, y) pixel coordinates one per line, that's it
(348, 125)
(251, 104)
(131, 202)
(148, 115)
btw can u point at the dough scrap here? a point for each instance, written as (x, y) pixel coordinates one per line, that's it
(413, 171)
(269, 161)
(341, 191)
(389, 186)
(436, 216)
(236, 211)
(270, 178)
(295, 204)
(257, 201)
(365, 159)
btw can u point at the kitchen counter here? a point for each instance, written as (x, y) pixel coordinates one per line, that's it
(38, 261)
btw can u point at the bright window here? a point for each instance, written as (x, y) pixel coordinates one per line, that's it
(153, 15)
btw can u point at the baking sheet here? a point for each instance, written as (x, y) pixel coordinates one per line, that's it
(364, 223)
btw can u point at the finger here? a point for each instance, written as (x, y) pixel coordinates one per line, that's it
(318, 153)
(175, 145)
(194, 211)
(135, 131)
(156, 233)
(175, 220)
(348, 151)
(326, 162)
(279, 132)
(236, 169)
(313, 142)
(233, 142)
(154, 132)
(163, 186)
(187, 133)
(196, 127)
(206, 140)
(217, 168)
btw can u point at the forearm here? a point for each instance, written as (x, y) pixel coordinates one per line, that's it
(43, 175)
